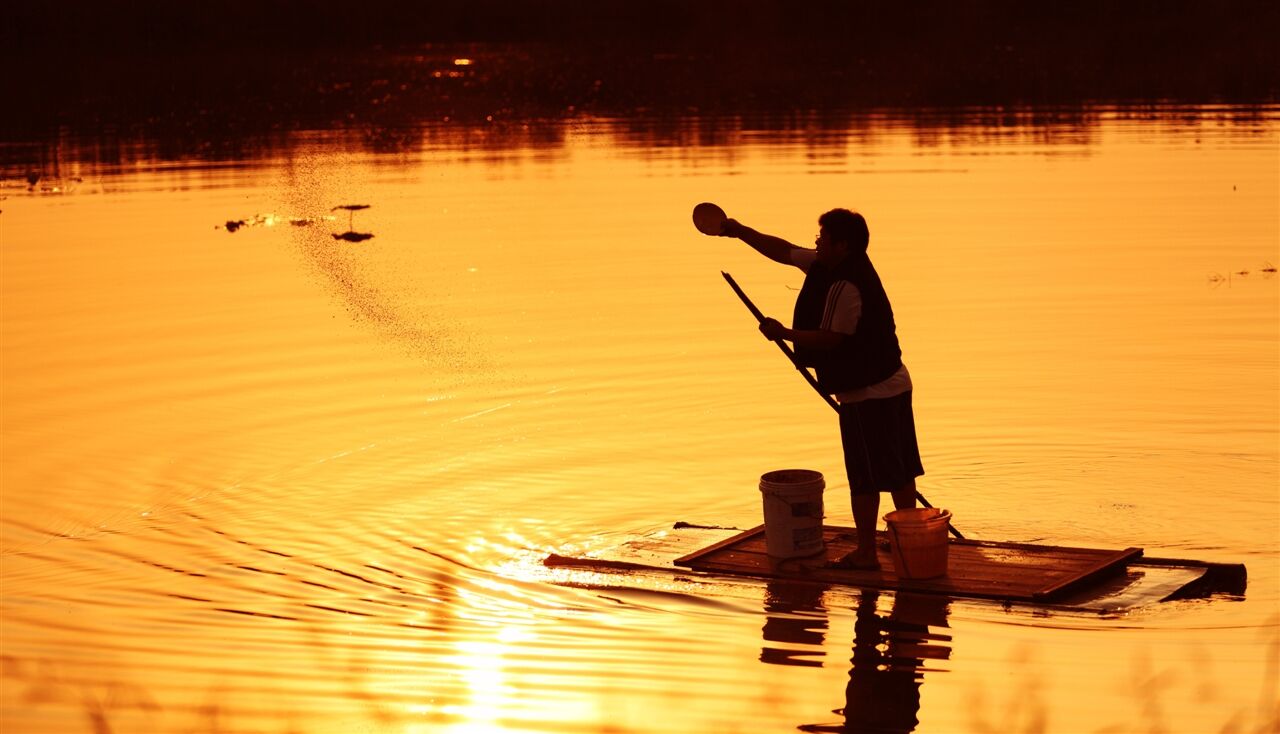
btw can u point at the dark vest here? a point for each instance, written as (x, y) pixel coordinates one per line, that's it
(871, 354)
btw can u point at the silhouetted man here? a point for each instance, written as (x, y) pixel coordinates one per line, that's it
(843, 327)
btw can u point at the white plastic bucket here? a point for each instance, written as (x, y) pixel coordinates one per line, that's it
(918, 541)
(793, 512)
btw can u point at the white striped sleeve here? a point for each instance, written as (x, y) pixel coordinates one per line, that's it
(844, 307)
(802, 258)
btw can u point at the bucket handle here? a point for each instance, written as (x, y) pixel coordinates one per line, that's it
(898, 557)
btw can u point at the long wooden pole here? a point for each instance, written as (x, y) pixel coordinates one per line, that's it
(808, 376)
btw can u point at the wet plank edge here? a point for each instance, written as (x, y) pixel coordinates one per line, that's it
(1089, 574)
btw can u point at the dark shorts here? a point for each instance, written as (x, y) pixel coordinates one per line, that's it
(879, 437)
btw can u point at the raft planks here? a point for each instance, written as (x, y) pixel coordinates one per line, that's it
(1110, 585)
(981, 569)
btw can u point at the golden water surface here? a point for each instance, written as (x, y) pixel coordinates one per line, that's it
(272, 481)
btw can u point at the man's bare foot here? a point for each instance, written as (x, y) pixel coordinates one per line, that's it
(856, 561)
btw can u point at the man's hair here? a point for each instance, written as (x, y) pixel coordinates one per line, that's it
(846, 226)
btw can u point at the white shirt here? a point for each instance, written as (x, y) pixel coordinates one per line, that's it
(841, 314)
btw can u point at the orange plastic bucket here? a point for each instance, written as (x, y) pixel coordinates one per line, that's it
(918, 542)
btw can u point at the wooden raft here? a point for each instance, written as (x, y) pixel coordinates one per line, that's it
(1014, 572)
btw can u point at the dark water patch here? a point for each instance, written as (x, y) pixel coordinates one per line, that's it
(337, 610)
(359, 578)
(161, 566)
(655, 599)
(248, 613)
(319, 585)
(188, 597)
(259, 570)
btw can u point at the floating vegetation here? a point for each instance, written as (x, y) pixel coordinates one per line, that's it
(1217, 279)
(271, 220)
(233, 225)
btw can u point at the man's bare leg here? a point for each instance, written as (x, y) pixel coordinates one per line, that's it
(904, 497)
(866, 507)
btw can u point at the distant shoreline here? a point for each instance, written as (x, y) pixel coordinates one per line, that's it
(235, 67)
(1150, 28)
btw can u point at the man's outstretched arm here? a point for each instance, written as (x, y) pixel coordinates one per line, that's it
(774, 248)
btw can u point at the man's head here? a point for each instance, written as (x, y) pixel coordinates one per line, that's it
(845, 226)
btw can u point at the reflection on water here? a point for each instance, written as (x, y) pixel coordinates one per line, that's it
(271, 480)
(890, 656)
(892, 648)
(59, 162)
(794, 616)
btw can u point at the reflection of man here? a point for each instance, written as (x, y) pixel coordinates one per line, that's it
(883, 694)
(889, 653)
(796, 618)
